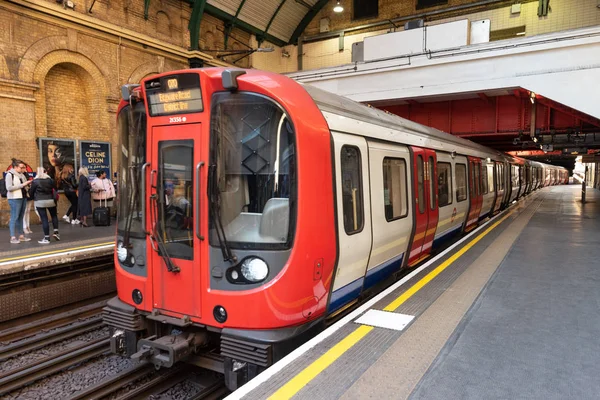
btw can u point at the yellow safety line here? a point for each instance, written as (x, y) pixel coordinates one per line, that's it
(294, 385)
(55, 252)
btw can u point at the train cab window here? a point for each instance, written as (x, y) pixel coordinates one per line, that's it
(461, 182)
(394, 188)
(352, 189)
(252, 192)
(420, 184)
(175, 209)
(444, 179)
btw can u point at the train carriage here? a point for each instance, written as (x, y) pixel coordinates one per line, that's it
(253, 209)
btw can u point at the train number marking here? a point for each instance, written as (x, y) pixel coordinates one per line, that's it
(173, 120)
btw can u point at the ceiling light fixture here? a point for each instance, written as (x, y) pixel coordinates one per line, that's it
(338, 7)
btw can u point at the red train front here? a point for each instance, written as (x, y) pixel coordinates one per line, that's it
(217, 262)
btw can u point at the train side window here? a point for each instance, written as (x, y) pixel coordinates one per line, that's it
(477, 180)
(431, 174)
(394, 188)
(444, 178)
(484, 183)
(490, 177)
(352, 196)
(420, 184)
(461, 182)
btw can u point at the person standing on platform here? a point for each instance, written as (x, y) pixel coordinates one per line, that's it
(44, 193)
(84, 205)
(28, 204)
(69, 186)
(16, 185)
(102, 189)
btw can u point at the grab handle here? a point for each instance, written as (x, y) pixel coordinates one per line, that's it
(198, 166)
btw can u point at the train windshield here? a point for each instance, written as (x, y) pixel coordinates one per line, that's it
(252, 173)
(132, 154)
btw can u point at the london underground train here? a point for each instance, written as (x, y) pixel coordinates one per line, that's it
(254, 209)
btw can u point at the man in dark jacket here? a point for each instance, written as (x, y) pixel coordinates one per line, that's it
(43, 192)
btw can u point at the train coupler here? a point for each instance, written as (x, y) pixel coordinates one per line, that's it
(167, 350)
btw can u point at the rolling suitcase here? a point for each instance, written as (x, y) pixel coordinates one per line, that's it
(101, 215)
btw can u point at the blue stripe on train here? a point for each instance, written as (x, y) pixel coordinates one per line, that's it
(345, 294)
(352, 290)
(446, 236)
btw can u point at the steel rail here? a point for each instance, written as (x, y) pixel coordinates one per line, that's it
(68, 317)
(30, 373)
(114, 383)
(39, 341)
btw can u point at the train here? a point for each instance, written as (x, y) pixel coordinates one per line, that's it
(253, 210)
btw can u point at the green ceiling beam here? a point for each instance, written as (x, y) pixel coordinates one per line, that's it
(222, 15)
(262, 37)
(306, 20)
(194, 24)
(231, 24)
(146, 8)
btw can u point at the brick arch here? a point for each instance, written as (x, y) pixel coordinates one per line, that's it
(163, 23)
(143, 71)
(43, 47)
(94, 80)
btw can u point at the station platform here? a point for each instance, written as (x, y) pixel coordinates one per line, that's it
(509, 311)
(76, 243)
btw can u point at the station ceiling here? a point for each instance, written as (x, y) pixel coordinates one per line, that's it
(278, 21)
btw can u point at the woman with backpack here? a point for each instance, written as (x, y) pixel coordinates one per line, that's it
(16, 185)
(44, 195)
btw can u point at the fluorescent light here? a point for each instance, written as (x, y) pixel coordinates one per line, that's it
(521, 34)
(338, 7)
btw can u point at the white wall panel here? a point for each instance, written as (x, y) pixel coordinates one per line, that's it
(393, 44)
(447, 36)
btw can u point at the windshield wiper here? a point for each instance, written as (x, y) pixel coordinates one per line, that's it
(162, 248)
(133, 200)
(214, 200)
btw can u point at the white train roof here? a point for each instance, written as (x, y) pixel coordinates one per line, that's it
(348, 116)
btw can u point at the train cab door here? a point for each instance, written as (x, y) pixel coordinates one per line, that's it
(425, 203)
(475, 195)
(175, 259)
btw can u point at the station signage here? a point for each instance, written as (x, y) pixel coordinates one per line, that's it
(175, 94)
(95, 156)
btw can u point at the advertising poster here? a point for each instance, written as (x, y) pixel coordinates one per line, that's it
(58, 158)
(95, 156)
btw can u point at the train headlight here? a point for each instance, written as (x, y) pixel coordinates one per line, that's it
(254, 269)
(121, 252)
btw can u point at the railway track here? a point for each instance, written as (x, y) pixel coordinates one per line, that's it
(116, 387)
(27, 374)
(38, 326)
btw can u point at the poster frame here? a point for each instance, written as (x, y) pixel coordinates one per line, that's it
(81, 142)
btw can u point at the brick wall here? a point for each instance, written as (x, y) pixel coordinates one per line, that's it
(563, 15)
(60, 78)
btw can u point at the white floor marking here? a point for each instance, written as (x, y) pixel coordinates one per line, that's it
(285, 361)
(385, 319)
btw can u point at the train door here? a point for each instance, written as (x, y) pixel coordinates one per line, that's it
(175, 261)
(391, 210)
(353, 218)
(498, 187)
(425, 203)
(475, 196)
